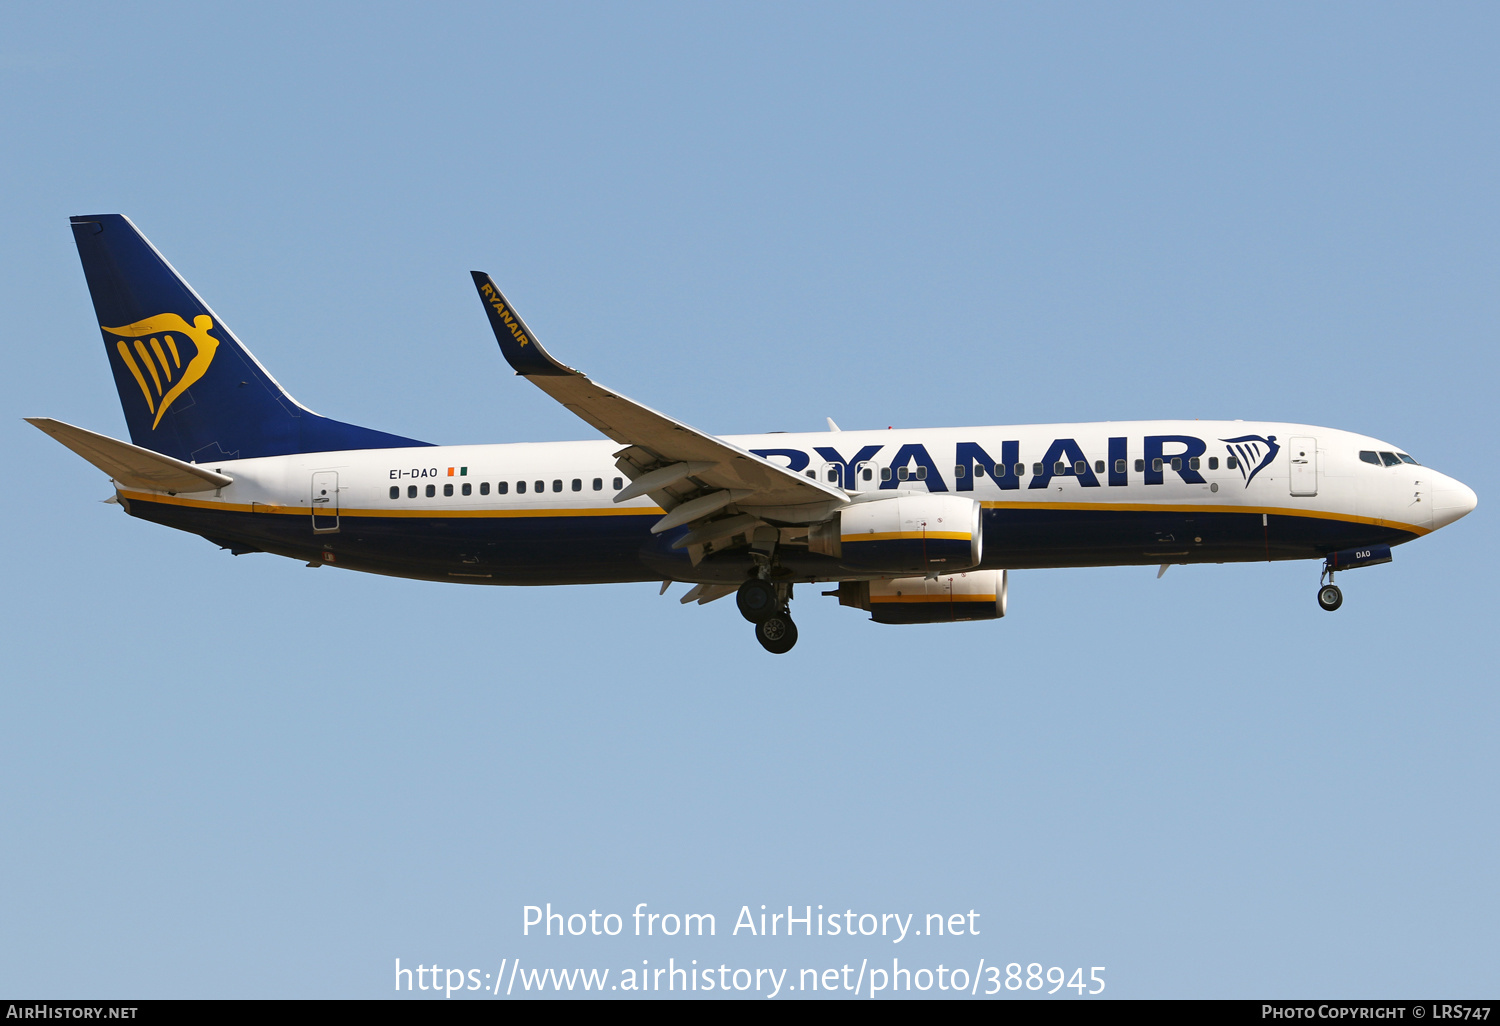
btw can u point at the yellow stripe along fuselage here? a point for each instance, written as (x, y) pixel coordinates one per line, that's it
(572, 535)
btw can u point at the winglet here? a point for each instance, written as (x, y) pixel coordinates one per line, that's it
(519, 346)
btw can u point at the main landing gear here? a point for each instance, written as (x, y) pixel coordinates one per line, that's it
(767, 606)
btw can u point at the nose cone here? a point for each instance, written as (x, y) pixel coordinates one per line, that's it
(1450, 500)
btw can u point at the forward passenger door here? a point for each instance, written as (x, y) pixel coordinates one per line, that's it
(1303, 458)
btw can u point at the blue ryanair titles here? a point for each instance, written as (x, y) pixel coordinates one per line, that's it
(1162, 455)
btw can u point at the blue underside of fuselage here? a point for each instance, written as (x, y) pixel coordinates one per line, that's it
(521, 550)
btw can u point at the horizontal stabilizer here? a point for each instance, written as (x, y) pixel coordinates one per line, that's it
(131, 465)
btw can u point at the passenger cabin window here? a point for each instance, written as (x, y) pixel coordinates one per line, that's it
(921, 473)
(1156, 465)
(1059, 467)
(1193, 463)
(598, 484)
(432, 490)
(1232, 463)
(885, 473)
(1038, 469)
(1390, 459)
(1020, 470)
(812, 474)
(1098, 466)
(1368, 456)
(501, 487)
(902, 474)
(867, 474)
(578, 484)
(619, 483)
(958, 470)
(539, 486)
(447, 489)
(833, 475)
(979, 470)
(468, 489)
(1140, 465)
(395, 491)
(411, 491)
(1176, 462)
(1080, 467)
(1120, 466)
(1213, 463)
(520, 487)
(484, 488)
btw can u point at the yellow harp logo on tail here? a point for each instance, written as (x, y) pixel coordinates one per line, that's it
(152, 344)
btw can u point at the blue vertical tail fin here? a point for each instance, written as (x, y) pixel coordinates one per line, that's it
(189, 388)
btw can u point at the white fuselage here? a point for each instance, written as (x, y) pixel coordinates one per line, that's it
(1065, 494)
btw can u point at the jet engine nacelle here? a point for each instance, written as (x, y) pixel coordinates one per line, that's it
(905, 533)
(977, 595)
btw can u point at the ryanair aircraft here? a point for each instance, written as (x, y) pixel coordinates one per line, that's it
(912, 526)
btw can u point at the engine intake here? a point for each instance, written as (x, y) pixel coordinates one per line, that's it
(977, 595)
(906, 533)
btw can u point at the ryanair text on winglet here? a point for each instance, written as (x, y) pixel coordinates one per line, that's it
(503, 312)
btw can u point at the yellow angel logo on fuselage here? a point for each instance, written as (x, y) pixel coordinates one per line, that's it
(150, 342)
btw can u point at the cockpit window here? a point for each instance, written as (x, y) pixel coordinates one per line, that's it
(1407, 459)
(1368, 456)
(1390, 459)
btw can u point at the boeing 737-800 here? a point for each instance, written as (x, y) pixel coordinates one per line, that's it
(913, 526)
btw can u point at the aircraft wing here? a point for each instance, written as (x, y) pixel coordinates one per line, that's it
(691, 475)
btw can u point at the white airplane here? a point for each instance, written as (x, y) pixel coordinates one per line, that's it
(913, 526)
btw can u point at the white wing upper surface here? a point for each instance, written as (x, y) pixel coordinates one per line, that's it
(703, 474)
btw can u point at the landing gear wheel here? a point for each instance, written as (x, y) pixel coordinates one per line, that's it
(776, 634)
(757, 600)
(1329, 597)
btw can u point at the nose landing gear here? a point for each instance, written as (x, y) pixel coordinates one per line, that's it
(1329, 596)
(767, 606)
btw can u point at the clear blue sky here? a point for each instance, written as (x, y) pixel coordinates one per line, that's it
(238, 777)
